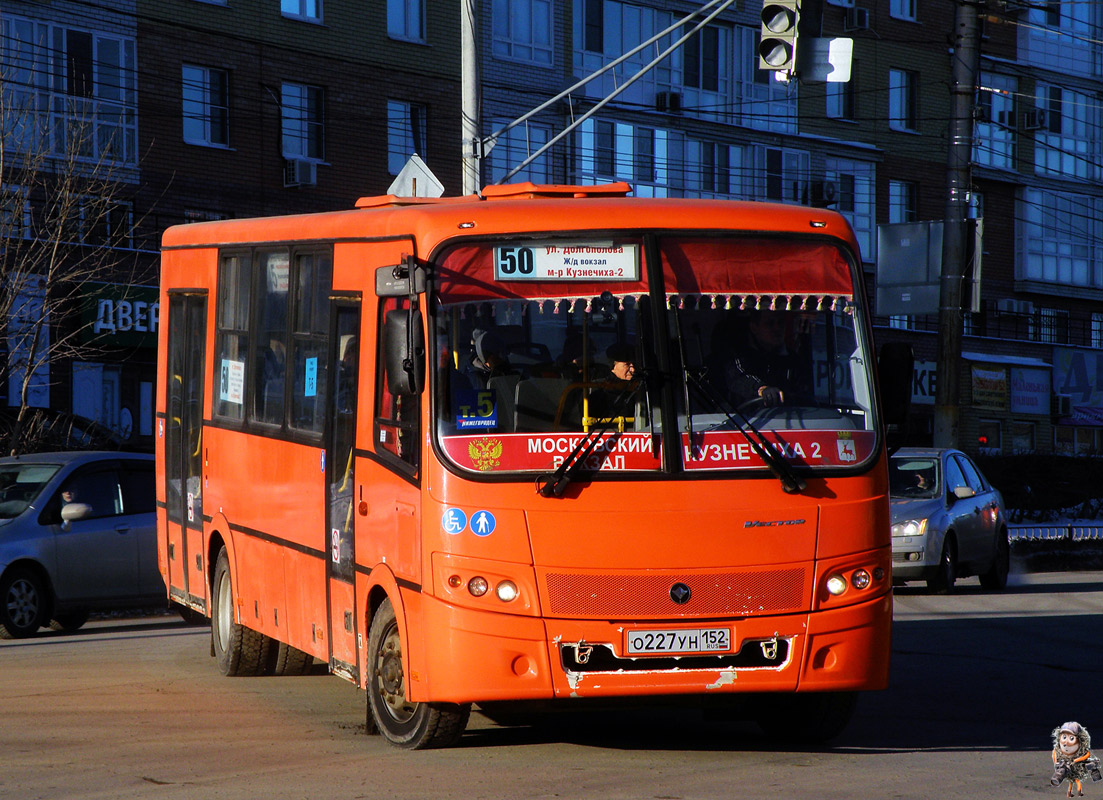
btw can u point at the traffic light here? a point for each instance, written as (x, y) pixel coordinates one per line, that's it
(777, 49)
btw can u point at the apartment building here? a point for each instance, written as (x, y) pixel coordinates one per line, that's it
(219, 108)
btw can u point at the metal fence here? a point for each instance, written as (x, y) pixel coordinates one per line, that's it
(1069, 532)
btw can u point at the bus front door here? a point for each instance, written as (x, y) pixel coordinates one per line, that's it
(340, 483)
(187, 336)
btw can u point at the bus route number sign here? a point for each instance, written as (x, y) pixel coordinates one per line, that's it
(557, 261)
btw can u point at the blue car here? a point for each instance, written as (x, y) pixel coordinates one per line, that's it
(948, 521)
(77, 534)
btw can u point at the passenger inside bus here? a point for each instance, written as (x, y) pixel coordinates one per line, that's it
(608, 399)
(771, 365)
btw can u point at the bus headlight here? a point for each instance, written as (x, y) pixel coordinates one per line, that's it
(477, 586)
(507, 591)
(836, 584)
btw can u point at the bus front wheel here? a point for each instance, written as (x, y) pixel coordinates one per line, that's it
(414, 726)
(238, 650)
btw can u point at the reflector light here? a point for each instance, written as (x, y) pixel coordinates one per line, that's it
(477, 586)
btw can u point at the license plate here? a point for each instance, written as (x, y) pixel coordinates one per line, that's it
(666, 642)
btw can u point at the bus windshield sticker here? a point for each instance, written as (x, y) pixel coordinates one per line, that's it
(476, 409)
(231, 387)
(594, 261)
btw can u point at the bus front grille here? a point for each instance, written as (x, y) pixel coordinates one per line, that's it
(742, 594)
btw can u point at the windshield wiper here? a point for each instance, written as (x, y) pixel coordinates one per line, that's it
(791, 483)
(554, 484)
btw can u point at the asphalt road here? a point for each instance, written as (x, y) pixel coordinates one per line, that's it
(135, 708)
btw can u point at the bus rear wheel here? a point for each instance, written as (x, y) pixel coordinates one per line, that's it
(413, 726)
(238, 650)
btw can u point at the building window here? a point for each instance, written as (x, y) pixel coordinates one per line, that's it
(1053, 326)
(1097, 330)
(514, 146)
(903, 201)
(902, 9)
(856, 199)
(840, 97)
(1022, 437)
(903, 99)
(406, 19)
(780, 175)
(1067, 141)
(405, 133)
(701, 60)
(310, 10)
(605, 149)
(995, 131)
(593, 25)
(989, 437)
(15, 213)
(206, 106)
(1061, 238)
(69, 93)
(303, 128)
(523, 30)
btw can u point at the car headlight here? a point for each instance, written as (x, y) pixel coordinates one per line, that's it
(910, 527)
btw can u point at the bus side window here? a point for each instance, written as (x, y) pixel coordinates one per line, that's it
(396, 415)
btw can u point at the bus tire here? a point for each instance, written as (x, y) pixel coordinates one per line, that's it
(413, 726)
(238, 650)
(808, 718)
(283, 659)
(23, 604)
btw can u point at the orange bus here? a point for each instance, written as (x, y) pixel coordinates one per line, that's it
(543, 445)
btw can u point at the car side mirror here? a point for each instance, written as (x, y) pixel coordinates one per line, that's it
(75, 511)
(964, 493)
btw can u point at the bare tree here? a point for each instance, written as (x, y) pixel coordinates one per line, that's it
(64, 219)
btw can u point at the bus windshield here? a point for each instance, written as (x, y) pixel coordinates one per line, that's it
(734, 343)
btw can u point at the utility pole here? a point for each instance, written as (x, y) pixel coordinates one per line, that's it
(963, 87)
(469, 98)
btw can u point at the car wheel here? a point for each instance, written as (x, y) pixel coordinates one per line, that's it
(69, 621)
(414, 726)
(23, 604)
(942, 582)
(996, 578)
(239, 650)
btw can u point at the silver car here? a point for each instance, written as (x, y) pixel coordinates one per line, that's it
(77, 534)
(948, 521)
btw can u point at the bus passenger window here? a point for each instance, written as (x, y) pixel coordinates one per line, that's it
(309, 340)
(271, 355)
(232, 347)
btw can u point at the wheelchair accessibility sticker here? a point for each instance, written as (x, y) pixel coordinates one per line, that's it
(453, 521)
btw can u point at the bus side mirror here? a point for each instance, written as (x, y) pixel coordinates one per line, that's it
(895, 367)
(404, 351)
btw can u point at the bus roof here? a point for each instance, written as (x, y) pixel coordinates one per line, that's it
(513, 207)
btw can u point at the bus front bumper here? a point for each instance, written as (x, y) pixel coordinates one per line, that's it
(487, 656)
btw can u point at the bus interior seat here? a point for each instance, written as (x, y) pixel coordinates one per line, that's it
(538, 403)
(505, 388)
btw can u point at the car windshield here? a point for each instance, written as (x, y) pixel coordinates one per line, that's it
(911, 477)
(683, 352)
(20, 484)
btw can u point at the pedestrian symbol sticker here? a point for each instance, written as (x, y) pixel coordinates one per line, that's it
(453, 521)
(482, 523)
